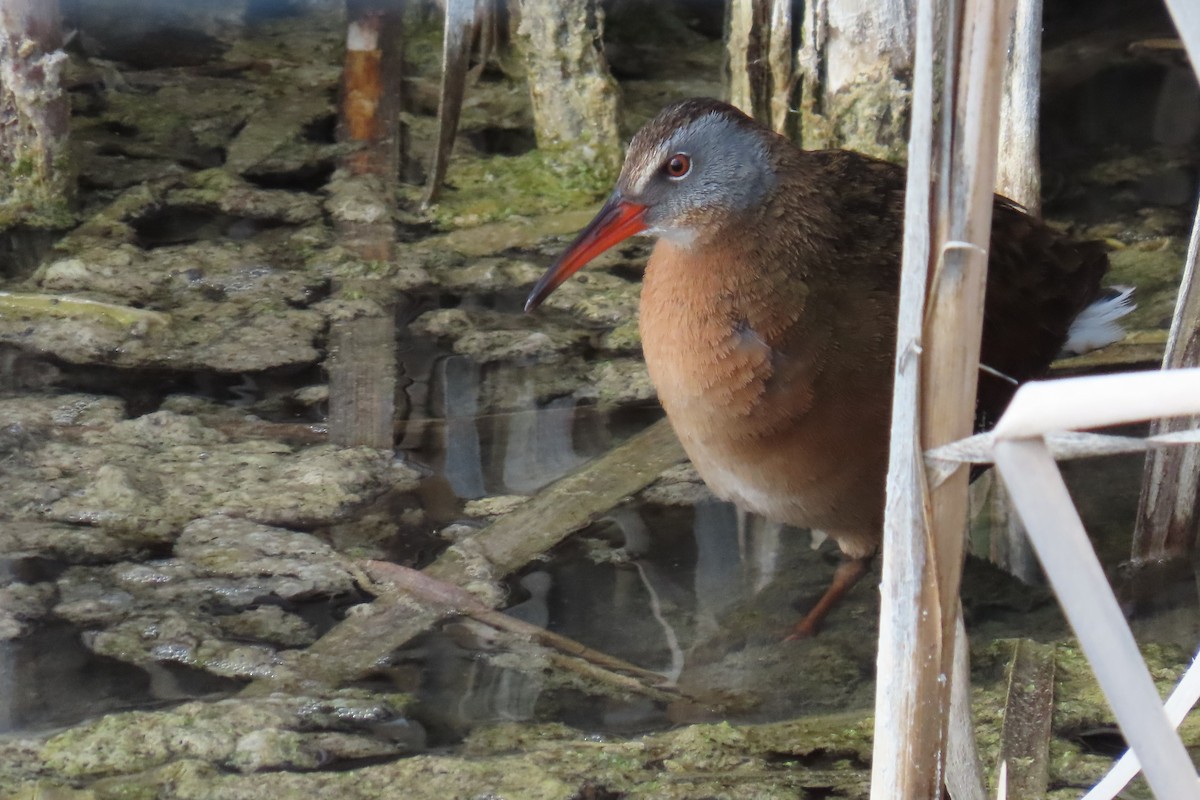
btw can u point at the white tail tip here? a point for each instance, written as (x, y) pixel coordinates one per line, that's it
(1097, 325)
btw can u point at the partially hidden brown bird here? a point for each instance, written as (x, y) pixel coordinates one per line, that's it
(769, 309)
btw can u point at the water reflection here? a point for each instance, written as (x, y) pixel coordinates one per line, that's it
(700, 593)
(492, 437)
(543, 444)
(462, 460)
(48, 679)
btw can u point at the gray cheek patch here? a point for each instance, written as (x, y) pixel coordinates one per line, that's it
(731, 168)
(731, 160)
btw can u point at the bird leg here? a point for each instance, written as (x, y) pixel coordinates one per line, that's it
(848, 573)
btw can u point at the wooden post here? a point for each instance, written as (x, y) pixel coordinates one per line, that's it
(362, 357)
(37, 183)
(937, 364)
(854, 64)
(747, 43)
(762, 74)
(575, 98)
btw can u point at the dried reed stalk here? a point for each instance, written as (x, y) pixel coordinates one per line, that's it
(936, 370)
(462, 18)
(1185, 696)
(1166, 523)
(1018, 172)
(1168, 518)
(1186, 14)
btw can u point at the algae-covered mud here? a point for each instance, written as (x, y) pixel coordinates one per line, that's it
(177, 531)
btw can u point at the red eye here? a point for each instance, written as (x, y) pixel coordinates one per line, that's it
(678, 165)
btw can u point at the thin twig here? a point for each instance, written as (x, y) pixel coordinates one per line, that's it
(456, 600)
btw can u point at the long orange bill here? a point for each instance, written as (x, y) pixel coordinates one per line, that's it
(616, 222)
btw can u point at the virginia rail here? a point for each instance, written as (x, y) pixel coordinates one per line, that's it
(769, 305)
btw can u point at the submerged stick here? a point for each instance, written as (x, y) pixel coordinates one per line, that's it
(362, 641)
(456, 600)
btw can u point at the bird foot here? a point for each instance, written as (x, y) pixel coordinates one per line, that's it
(804, 629)
(848, 573)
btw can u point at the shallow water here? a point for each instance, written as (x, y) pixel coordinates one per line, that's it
(123, 602)
(680, 588)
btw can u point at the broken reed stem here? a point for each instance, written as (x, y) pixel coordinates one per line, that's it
(1018, 171)
(1070, 562)
(1186, 14)
(1168, 515)
(923, 536)
(456, 51)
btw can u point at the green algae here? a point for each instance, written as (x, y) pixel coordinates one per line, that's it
(494, 188)
(245, 735)
(1153, 267)
(869, 116)
(64, 307)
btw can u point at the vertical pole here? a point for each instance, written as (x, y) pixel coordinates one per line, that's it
(36, 180)
(362, 357)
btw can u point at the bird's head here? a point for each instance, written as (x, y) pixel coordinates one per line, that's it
(687, 170)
